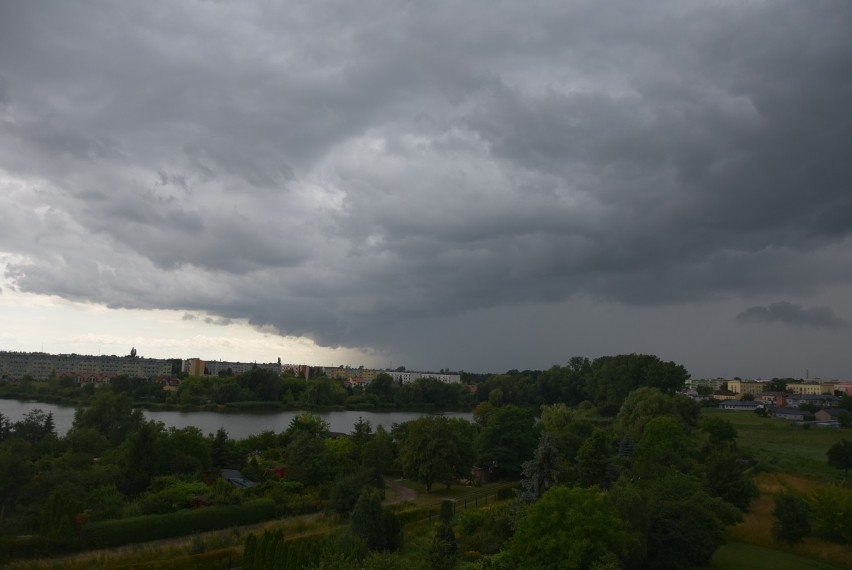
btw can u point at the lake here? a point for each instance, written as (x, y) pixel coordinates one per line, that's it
(237, 424)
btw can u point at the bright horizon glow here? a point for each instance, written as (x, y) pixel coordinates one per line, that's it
(41, 323)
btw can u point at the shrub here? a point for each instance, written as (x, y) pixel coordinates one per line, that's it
(119, 532)
(792, 520)
(831, 510)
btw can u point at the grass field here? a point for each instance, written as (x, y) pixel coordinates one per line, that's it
(784, 446)
(736, 556)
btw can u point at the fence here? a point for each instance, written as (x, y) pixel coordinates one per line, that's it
(427, 513)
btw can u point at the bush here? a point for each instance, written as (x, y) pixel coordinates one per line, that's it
(792, 520)
(831, 510)
(106, 534)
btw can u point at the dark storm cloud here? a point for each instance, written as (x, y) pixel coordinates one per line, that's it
(793, 314)
(334, 171)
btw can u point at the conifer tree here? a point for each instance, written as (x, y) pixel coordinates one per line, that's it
(249, 552)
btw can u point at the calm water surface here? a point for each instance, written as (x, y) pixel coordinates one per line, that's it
(238, 425)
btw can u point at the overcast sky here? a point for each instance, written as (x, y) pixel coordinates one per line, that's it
(477, 185)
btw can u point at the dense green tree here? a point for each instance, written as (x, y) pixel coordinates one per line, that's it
(362, 432)
(831, 512)
(110, 414)
(840, 455)
(5, 428)
(665, 445)
(433, 451)
(250, 551)
(382, 386)
(792, 522)
(16, 469)
(612, 378)
(682, 525)
(727, 475)
(719, 430)
(143, 458)
(640, 407)
(308, 460)
(541, 472)
(509, 439)
(188, 451)
(570, 529)
(57, 524)
(306, 422)
(593, 459)
(324, 392)
(224, 452)
(35, 426)
(443, 552)
(378, 453)
(378, 528)
(265, 384)
(570, 428)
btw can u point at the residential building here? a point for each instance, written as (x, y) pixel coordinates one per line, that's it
(791, 414)
(810, 388)
(746, 387)
(740, 405)
(41, 366)
(820, 400)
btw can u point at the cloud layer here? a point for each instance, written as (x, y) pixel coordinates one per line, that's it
(343, 171)
(793, 314)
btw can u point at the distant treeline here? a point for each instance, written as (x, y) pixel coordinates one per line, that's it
(604, 382)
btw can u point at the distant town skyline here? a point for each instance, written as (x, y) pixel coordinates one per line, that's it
(427, 186)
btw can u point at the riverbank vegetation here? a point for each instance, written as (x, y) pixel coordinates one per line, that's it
(603, 382)
(613, 469)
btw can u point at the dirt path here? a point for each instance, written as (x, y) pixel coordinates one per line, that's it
(401, 492)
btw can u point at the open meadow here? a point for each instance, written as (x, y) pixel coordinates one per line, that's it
(790, 457)
(785, 446)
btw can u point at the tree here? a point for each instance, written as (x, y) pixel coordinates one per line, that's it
(507, 440)
(362, 432)
(378, 453)
(143, 457)
(840, 455)
(570, 529)
(223, 451)
(382, 386)
(792, 518)
(379, 528)
(640, 407)
(593, 459)
(432, 451)
(831, 512)
(5, 427)
(719, 430)
(444, 549)
(35, 426)
(682, 524)
(665, 444)
(110, 414)
(308, 423)
(541, 472)
(308, 460)
(612, 378)
(727, 476)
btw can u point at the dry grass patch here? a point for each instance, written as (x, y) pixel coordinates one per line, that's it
(756, 527)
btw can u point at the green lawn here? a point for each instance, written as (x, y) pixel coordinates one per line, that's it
(786, 446)
(736, 556)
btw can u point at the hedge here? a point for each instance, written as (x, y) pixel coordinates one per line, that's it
(106, 534)
(222, 558)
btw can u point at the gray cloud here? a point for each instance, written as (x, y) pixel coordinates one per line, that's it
(793, 314)
(338, 173)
